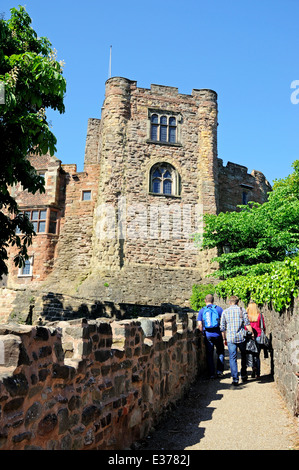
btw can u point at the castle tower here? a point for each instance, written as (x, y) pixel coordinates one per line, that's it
(143, 220)
(207, 142)
(112, 157)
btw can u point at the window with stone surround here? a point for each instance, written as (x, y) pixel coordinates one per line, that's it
(86, 195)
(42, 173)
(246, 193)
(244, 197)
(26, 270)
(43, 220)
(164, 179)
(164, 127)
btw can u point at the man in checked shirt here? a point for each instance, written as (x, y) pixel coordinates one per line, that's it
(232, 325)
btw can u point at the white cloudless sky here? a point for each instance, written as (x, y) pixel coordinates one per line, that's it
(245, 50)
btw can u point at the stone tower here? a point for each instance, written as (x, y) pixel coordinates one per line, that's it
(141, 233)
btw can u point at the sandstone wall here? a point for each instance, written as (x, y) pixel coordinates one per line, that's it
(237, 186)
(73, 254)
(93, 137)
(44, 245)
(128, 244)
(96, 384)
(126, 156)
(32, 307)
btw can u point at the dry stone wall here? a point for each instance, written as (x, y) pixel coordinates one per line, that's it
(93, 384)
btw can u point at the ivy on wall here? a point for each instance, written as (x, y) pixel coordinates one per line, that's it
(278, 287)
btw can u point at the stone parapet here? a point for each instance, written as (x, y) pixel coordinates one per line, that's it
(97, 384)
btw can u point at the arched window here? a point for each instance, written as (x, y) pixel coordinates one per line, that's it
(164, 179)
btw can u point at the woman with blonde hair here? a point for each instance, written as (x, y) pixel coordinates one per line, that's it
(255, 317)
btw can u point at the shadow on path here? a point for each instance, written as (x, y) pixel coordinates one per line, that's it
(186, 426)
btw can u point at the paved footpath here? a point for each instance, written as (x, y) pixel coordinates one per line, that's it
(217, 416)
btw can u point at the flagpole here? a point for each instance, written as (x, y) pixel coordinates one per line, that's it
(110, 61)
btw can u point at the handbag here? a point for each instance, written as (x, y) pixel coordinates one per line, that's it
(251, 346)
(263, 339)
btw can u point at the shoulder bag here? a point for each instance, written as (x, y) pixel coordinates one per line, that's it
(264, 340)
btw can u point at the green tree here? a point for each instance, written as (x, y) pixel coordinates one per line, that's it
(258, 237)
(263, 261)
(31, 80)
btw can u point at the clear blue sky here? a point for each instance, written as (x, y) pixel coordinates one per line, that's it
(245, 50)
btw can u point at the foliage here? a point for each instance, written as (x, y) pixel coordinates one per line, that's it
(257, 234)
(263, 262)
(33, 81)
(199, 292)
(277, 287)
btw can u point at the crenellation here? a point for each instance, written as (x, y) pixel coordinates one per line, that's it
(163, 89)
(54, 398)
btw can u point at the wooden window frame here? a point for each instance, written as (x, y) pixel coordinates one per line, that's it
(47, 219)
(30, 274)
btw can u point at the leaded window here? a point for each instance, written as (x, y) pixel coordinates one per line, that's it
(38, 219)
(163, 128)
(43, 220)
(164, 179)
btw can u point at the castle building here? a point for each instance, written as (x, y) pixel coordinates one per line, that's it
(121, 230)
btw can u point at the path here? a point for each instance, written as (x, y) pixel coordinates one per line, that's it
(216, 416)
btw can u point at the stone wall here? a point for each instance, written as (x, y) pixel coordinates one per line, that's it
(73, 254)
(93, 385)
(283, 331)
(237, 186)
(44, 245)
(59, 259)
(103, 383)
(126, 156)
(92, 144)
(34, 307)
(141, 245)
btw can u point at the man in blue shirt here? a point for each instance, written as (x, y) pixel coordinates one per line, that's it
(213, 337)
(234, 319)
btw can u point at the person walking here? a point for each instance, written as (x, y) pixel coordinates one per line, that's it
(208, 321)
(255, 317)
(232, 326)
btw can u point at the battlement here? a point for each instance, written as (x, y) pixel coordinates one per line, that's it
(93, 384)
(114, 84)
(237, 186)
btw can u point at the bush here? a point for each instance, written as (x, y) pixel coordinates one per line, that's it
(199, 292)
